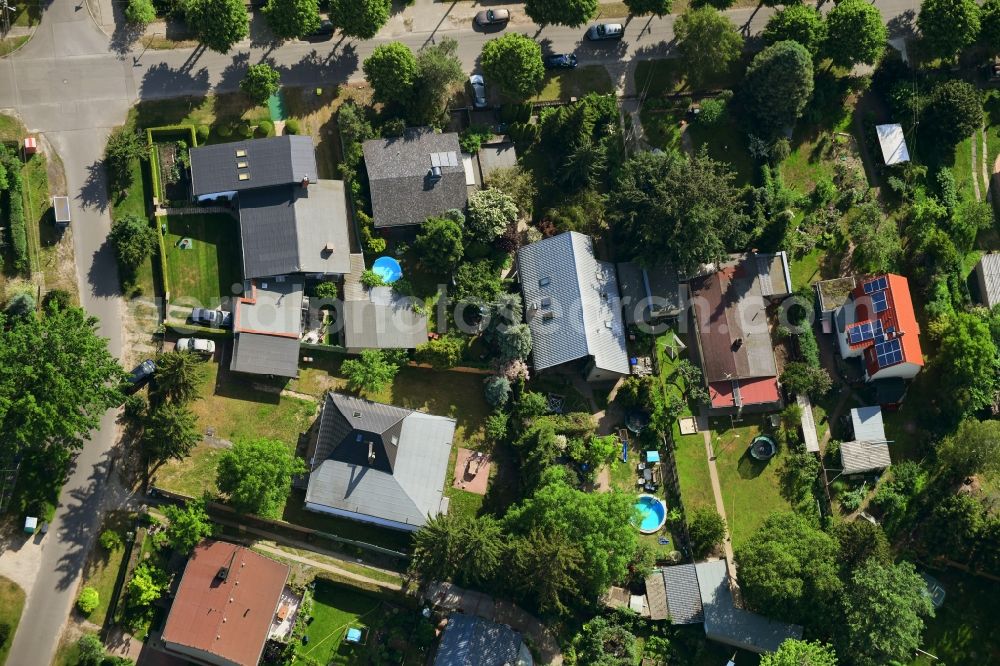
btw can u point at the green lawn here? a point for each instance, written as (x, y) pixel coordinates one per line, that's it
(207, 270)
(561, 84)
(751, 490)
(666, 76)
(964, 628)
(335, 609)
(11, 44)
(211, 110)
(104, 566)
(11, 604)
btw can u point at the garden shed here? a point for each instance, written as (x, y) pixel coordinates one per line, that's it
(893, 144)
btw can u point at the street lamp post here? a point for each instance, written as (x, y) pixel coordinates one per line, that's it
(136, 59)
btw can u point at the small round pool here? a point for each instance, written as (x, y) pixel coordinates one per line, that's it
(763, 447)
(652, 513)
(388, 269)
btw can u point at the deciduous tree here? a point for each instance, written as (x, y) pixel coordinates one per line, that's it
(260, 82)
(877, 247)
(514, 63)
(884, 609)
(123, 148)
(439, 244)
(793, 652)
(491, 212)
(855, 34)
(291, 19)
(257, 475)
(948, 26)
(219, 24)
(804, 379)
(777, 87)
(391, 70)
(989, 31)
(859, 542)
(707, 530)
(371, 371)
(707, 42)
(682, 209)
(643, 7)
(440, 73)
(572, 13)
(955, 110)
(188, 525)
(788, 569)
(133, 240)
(604, 643)
(148, 583)
(968, 361)
(360, 18)
(973, 449)
(800, 23)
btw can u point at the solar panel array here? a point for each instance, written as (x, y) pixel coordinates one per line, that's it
(879, 301)
(878, 284)
(868, 330)
(449, 159)
(889, 353)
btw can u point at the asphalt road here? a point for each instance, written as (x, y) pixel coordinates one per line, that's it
(72, 84)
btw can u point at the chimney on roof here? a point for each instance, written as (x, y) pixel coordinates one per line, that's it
(737, 343)
(371, 453)
(305, 181)
(434, 174)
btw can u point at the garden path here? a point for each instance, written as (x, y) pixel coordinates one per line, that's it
(975, 169)
(720, 505)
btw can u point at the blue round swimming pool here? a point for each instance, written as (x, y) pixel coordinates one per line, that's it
(652, 513)
(388, 269)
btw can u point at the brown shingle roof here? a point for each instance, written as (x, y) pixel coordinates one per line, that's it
(232, 618)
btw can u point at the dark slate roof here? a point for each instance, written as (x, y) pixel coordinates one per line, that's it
(649, 293)
(726, 623)
(286, 230)
(472, 641)
(683, 594)
(572, 303)
(399, 180)
(279, 160)
(265, 355)
(405, 483)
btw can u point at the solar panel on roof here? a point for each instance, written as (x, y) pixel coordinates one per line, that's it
(878, 284)
(880, 302)
(868, 330)
(889, 353)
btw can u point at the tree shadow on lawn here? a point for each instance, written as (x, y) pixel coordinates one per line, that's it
(749, 467)
(234, 386)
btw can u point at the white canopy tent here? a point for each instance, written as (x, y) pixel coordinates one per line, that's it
(890, 138)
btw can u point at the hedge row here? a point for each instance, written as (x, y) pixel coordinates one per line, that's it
(185, 132)
(15, 215)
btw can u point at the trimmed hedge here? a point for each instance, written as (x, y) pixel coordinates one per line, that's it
(187, 133)
(15, 214)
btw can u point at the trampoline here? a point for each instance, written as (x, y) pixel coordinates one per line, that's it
(763, 447)
(388, 269)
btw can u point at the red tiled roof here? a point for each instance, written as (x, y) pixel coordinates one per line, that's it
(760, 391)
(230, 618)
(899, 316)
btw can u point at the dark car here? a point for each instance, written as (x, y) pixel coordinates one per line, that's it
(212, 318)
(603, 31)
(561, 61)
(324, 31)
(141, 374)
(492, 18)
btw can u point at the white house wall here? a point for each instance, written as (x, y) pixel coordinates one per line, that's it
(900, 370)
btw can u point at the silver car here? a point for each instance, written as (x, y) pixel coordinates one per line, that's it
(196, 345)
(603, 31)
(478, 91)
(493, 18)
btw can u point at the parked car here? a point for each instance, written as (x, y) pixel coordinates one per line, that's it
(478, 91)
(141, 374)
(603, 31)
(324, 31)
(561, 61)
(196, 345)
(493, 18)
(212, 318)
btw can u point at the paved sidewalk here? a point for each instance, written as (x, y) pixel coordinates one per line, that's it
(720, 505)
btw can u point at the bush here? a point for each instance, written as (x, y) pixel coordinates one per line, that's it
(88, 601)
(265, 128)
(260, 82)
(244, 129)
(370, 278)
(496, 390)
(110, 540)
(714, 108)
(326, 290)
(442, 353)
(140, 12)
(292, 126)
(21, 305)
(472, 138)
(224, 129)
(202, 132)
(496, 426)
(57, 298)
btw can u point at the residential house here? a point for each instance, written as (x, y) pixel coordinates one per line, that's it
(573, 307)
(652, 295)
(414, 176)
(223, 610)
(293, 226)
(878, 326)
(869, 450)
(732, 332)
(988, 277)
(469, 640)
(701, 594)
(378, 317)
(379, 464)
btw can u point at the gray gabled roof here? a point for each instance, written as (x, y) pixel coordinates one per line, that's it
(407, 494)
(472, 641)
(683, 594)
(288, 229)
(258, 354)
(279, 160)
(726, 623)
(988, 272)
(861, 456)
(402, 190)
(572, 303)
